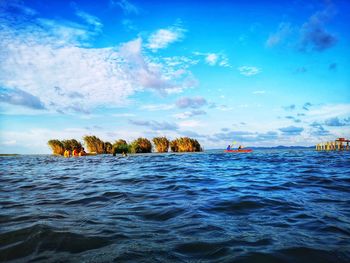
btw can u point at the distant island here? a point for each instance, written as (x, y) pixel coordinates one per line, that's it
(140, 145)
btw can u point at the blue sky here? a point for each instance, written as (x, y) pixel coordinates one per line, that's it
(263, 73)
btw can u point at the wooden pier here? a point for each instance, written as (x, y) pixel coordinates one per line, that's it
(340, 144)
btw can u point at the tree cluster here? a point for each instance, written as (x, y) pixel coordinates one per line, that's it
(140, 145)
(58, 147)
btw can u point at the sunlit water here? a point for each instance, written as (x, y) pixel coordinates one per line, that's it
(265, 206)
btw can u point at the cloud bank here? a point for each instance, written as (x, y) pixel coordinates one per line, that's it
(20, 97)
(291, 130)
(39, 57)
(312, 35)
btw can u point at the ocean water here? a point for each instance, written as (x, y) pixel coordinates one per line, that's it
(265, 206)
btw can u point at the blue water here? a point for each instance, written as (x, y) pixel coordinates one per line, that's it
(265, 206)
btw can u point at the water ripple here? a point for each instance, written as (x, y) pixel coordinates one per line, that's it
(267, 206)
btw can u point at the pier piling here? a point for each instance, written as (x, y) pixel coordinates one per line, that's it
(340, 144)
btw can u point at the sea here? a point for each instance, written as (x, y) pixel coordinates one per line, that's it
(265, 206)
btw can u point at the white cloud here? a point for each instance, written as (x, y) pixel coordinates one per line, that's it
(90, 19)
(48, 60)
(126, 6)
(327, 111)
(190, 124)
(284, 30)
(189, 114)
(87, 71)
(35, 140)
(221, 107)
(123, 115)
(158, 107)
(211, 59)
(155, 125)
(183, 115)
(181, 62)
(10, 142)
(162, 38)
(248, 70)
(214, 59)
(188, 102)
(224, 62)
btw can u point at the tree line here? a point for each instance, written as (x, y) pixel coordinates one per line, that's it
(140, 145)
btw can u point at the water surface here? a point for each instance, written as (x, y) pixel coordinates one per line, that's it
(265, 206)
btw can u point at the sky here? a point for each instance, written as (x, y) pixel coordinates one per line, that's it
(262, 73)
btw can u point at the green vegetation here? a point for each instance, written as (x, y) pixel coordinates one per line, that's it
(140, 145)
(185, 144)
(56, 146)
(108, 147)
(161, 143)
(121, 146)
(94, 144)
(71, 145)
(173, 146)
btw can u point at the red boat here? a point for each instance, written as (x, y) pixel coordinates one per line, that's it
(239, 151)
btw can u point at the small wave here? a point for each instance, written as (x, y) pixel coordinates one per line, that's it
(38, 238)
(336, 230)
(162, 215)
(115, 195)
(206, 250)
(88, 200)
(299, 254)
(243, 205)
(213, 207)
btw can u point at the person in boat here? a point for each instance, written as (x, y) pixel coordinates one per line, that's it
(240, 147)
(228, 147)
(82, 152)
(75, 152)
(66, 153)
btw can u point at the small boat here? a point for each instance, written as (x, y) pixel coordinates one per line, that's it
(239, 151)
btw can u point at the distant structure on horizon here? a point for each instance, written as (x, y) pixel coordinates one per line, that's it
(340, 144)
